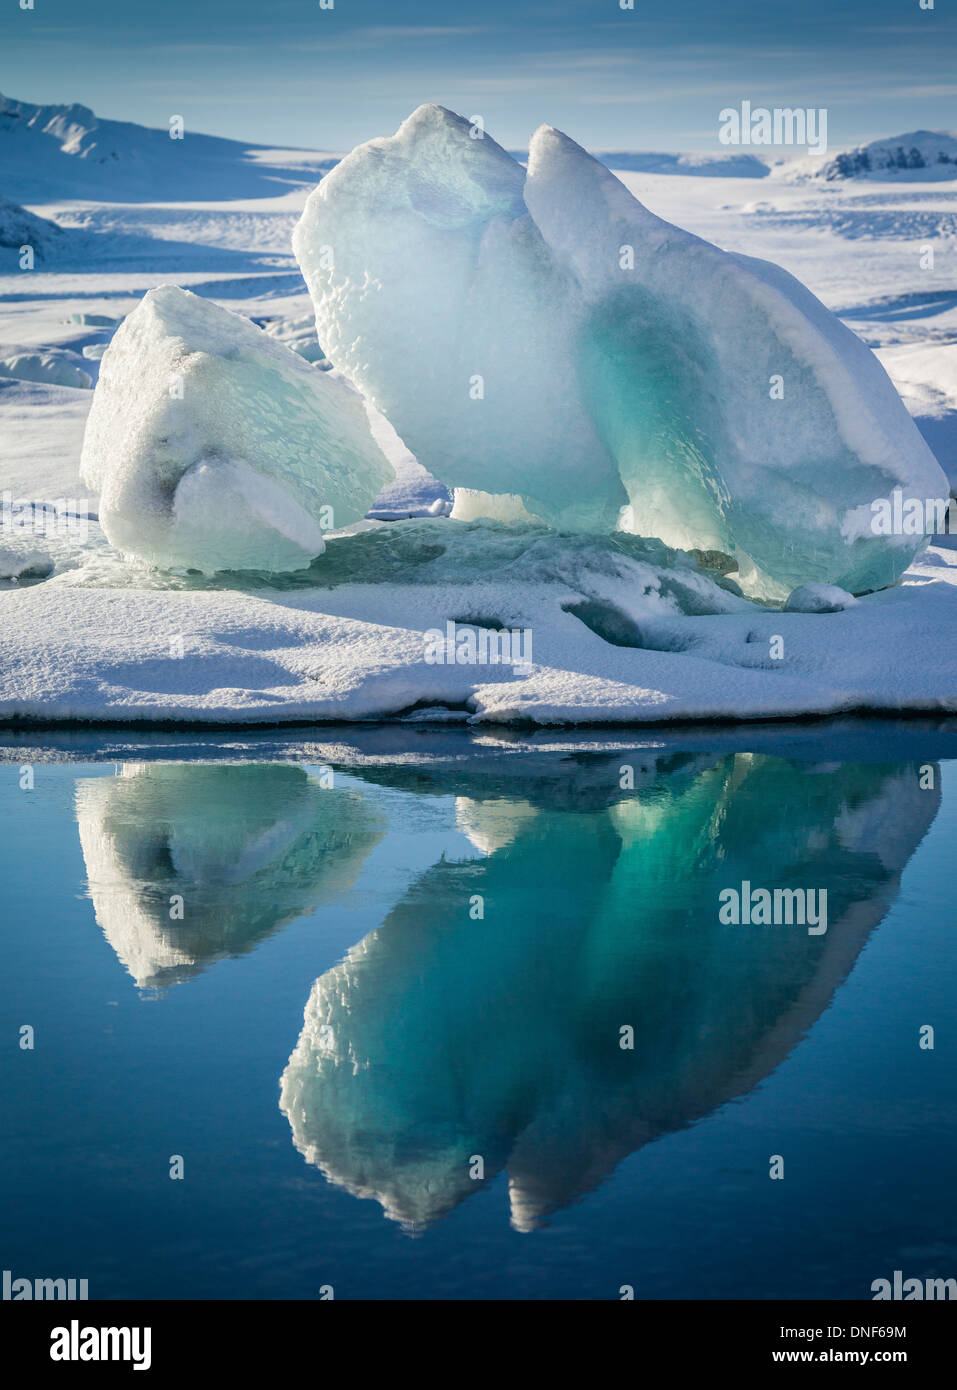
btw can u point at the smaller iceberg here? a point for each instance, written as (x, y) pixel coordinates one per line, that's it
(215, 447)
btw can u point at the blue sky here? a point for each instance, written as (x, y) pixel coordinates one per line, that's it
(288, 72)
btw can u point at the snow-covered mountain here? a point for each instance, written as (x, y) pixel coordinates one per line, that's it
(69, 152)
(696, 163)
(919, 156)
(702, 165)
(21, 228)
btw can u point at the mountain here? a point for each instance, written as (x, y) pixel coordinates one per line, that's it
(21, 228)
(63, 152)
(724, 166)
(919, 156)
(702, 165)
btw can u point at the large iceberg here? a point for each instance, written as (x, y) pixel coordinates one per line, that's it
(544, 335)
(436, 294)
(215, 447)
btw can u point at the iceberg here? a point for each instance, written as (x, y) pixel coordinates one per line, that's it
(544, 338)
(215, 447)
(436, 295)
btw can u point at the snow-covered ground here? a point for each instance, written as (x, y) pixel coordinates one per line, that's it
(100, 639)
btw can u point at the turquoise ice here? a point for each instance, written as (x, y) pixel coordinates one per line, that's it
(543, 338)
(215, 447)
(442, 1038)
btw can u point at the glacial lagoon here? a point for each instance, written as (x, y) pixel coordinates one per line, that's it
(403, 1012)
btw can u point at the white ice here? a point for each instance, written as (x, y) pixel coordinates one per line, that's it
(550, 338)
(436, 295)
(215, 447)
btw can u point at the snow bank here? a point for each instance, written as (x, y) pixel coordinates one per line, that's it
(819, 598)
(621, 632)
(54, 368)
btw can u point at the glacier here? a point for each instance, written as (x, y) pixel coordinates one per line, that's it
(215, 447)
(541, 337)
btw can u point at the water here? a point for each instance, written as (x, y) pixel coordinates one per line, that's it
(375, 992)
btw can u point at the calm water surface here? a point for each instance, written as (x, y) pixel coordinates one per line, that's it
(374, 993)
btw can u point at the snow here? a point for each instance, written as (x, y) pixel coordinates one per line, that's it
(549, 339)
(927, 380)
(41, 435)
(819, 598)
(213, 446)
(67, 151)
(19, 228)
(53, 366)
(24, 564)
(621, 631)
(696, 165)
(344, 640)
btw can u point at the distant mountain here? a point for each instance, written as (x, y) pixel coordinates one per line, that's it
(700, 165)
(21, 228)
(722, 166)
(920, 156)
(52, 153)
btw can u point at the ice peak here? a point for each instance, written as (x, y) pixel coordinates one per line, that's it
(431, 116)
(439, 134)
(548, 138)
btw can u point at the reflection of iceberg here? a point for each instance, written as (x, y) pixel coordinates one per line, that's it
(440, 1038)
(246, 848)
(491, 824)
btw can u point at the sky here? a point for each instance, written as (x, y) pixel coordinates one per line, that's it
(292, 73)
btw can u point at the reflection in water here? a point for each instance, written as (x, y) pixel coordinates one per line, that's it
(440, 1038)
(247, 848)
